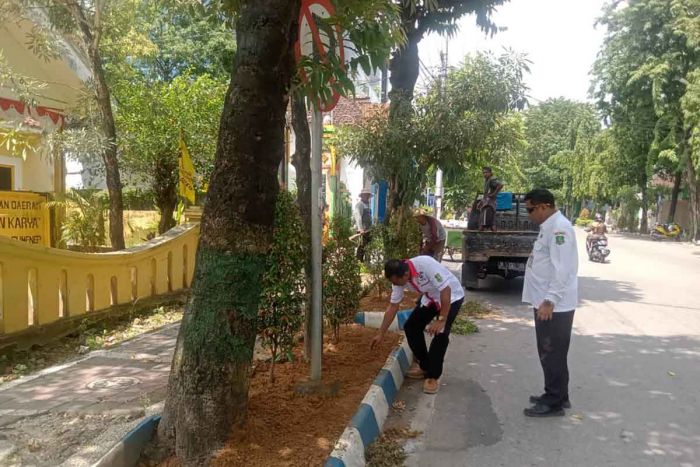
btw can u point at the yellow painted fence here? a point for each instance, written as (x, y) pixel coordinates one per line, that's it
(40, 285)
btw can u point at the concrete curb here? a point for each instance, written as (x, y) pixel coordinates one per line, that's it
(373, 319)
(367, 423)
(127, 451)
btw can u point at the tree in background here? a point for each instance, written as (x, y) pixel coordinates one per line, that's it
(421, 17)
(469, 123)
(88, 23)
(561, 137)
(641, 77)
(150, 118)
(688, 23)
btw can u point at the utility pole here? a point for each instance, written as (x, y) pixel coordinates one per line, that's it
(316, 247)
(438, 175)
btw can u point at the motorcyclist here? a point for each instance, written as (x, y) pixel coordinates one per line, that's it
(596, 230)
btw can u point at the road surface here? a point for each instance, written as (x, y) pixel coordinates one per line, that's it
(634, 363)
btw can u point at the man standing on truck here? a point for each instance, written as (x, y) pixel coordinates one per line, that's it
(434, 314)
(434, 236)
(487, 205)
(551, 287)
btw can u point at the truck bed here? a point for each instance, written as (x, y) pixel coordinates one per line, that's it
(481, 246)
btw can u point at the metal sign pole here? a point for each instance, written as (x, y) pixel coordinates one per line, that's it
(316, 233)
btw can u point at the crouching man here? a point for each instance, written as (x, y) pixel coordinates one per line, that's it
(442, 298)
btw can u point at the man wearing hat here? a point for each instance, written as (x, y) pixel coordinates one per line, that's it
(362, 216)
(434, 235)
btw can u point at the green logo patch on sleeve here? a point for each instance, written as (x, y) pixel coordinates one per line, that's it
(438, 277)
(559, 238)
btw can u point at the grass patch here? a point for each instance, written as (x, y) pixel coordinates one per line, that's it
(463, 326)
(90, 335)
(475, 309)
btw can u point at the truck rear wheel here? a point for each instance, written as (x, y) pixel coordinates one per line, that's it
(470, 279)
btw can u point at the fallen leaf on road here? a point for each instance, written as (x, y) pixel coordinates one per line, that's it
(577, 416)
(399, 405)
(671, 373)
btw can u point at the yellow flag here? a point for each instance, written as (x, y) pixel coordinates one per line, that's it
(186, 172)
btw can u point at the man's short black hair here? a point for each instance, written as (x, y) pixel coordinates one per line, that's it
(395, 268)
(487, 169)
(540, 196)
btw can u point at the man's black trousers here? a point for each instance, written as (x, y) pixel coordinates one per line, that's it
(430, 360)
(553, 338)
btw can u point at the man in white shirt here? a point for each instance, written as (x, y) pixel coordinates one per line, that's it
(442, 298)
(551, 287)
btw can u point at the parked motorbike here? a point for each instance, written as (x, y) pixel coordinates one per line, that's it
(671, 231)
(598, 249)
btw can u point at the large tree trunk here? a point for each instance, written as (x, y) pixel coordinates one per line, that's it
(677, 178)
(301, 160)
(208, 388)
(165, 190)
(404, 67)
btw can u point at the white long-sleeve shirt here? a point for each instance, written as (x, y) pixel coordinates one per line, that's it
(428, 277)
(552, 269)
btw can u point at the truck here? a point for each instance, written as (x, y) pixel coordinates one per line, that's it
(504, 252)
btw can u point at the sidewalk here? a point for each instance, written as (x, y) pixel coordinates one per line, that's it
(72, 414)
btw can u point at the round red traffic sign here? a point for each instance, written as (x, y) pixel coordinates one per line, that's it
(314, 39)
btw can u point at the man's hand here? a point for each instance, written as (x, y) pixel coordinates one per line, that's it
(545, 311)
(435, 328)
(376, 340)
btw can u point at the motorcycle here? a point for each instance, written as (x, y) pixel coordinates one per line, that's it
(597, 249)
(671, 231)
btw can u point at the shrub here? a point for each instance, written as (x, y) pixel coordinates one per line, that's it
(583, 222)
(399, 240)
(403, 237)
(86, 214)
(341, 277)
(374, 260)
(280, 314)
(137, 199)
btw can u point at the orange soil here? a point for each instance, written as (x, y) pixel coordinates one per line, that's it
(287, 429)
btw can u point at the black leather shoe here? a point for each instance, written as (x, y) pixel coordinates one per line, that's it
(538, 399)
(541, 410)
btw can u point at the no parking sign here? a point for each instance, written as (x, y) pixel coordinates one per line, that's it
(319, 41)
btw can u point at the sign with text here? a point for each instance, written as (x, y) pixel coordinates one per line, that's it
(25, 217)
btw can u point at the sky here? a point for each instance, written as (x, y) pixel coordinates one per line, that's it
(558, 36)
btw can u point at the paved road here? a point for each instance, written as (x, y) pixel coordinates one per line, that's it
(635, 373)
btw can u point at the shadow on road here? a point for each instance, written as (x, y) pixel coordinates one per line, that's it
(635, 400)
(593, 289)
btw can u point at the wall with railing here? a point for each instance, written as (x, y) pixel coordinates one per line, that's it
(40, 286)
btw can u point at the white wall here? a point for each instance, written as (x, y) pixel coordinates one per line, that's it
(17, 164)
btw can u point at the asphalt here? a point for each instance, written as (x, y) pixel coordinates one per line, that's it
(634, 362)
